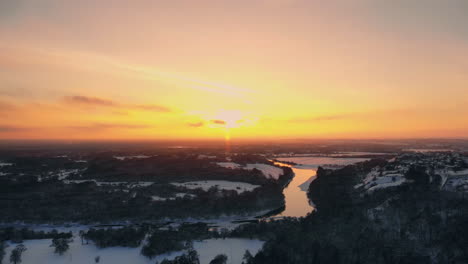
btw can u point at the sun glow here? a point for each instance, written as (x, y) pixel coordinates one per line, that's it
(231, 118)
(227, 119)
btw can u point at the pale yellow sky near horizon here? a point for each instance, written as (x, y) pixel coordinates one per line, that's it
(244, 69)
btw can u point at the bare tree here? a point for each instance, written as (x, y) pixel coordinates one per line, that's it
(16, 254)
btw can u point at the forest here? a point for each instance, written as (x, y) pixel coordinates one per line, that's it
(31, 193)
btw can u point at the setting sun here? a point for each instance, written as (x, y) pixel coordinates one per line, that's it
(229, 118)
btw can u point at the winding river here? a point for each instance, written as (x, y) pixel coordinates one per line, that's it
(297, 203)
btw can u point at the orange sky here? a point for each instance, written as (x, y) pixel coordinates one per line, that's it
(241, 69)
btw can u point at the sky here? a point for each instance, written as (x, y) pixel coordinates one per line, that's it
(213, 69)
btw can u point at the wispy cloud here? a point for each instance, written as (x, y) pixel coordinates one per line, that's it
(197, 124)
(319, 118)
(218, 122)
(365, 115)
(85, 100)
(5, 106)
(185, 81)
(151, 73)
(153, 108)
(101, 102)
(109, 65)
(4, 129)
(106, 126)
(85, 128)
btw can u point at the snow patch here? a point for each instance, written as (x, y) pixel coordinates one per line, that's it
(269, 171)
(202, 156)
(234, 248)
(239, 187)
(177, 195)
(63, 174)
(229, 165)
(380, 179)
(131, 157)
(386, 182)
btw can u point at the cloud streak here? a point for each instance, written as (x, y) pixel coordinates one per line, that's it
(92, 127)
(152, 108)
(6, 129)
(4, 106)
(319, 118)
(106, 126)
(197, 124)
(218, 122)
(85, 100)
(189, 82)
(369, 115)
(107, 64)
(101, 102)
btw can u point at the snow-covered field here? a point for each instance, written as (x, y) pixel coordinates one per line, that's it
(40, 252)
(234, 248)
(268, 171)
(224, 185)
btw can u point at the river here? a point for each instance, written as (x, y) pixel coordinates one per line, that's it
(297, 203)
